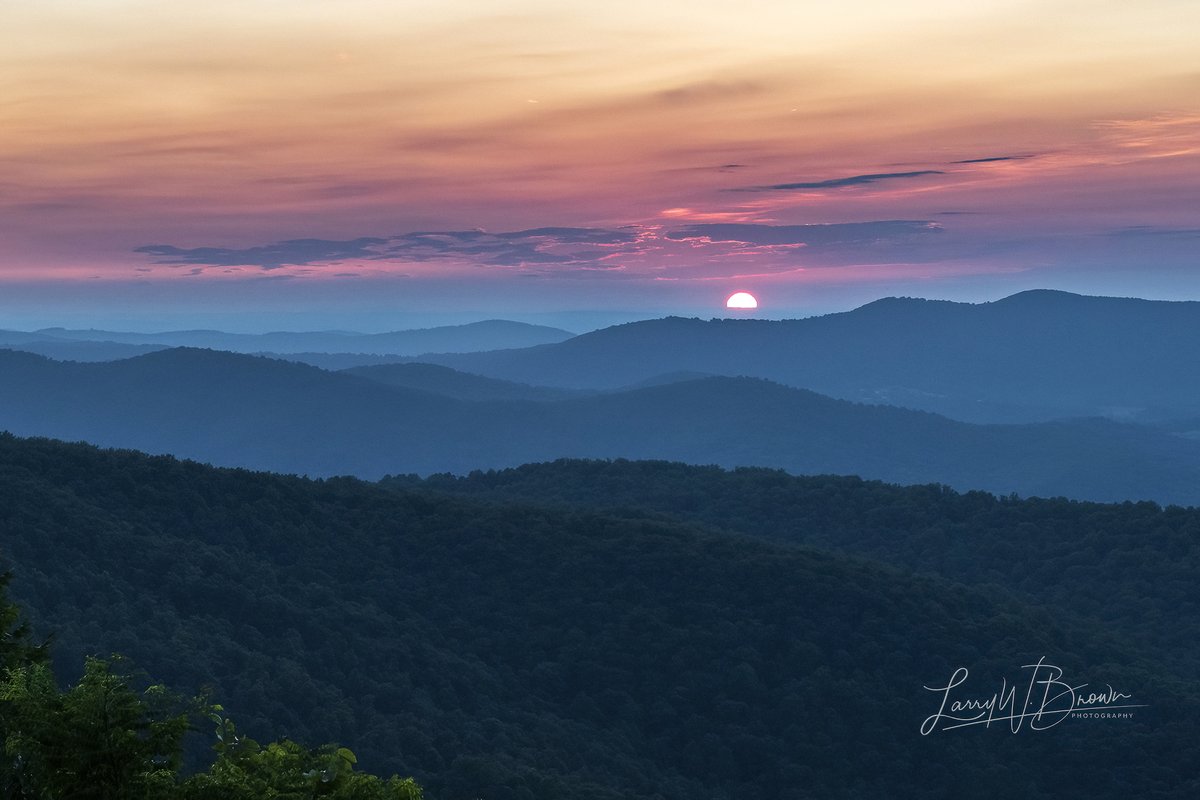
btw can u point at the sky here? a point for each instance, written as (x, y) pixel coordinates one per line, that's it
(257, 164)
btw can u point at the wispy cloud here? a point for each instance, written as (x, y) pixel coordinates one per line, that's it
(708, 91)
(566, 246)
(846, 233)
(292, 252)
(550, 245)
(697, 250)
(840, 183)
(1154, 232)
(992, 159)
(1162, 136)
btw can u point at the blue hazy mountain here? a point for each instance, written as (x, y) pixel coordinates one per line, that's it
(452, 383)
(476, 336)
(10, 338)
(1033, 356)
(237, 410)
(73, 350)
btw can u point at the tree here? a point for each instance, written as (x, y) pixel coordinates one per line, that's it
(16, 641)
(284, 770)
(99, 740)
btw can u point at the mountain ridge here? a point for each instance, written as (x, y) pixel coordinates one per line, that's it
(1030, 357)
(246, 411)
(481, 335)
(509, 650)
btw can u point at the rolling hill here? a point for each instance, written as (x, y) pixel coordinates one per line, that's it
(509, 651)
(1129, 568)
(63, 349)
(1034, 356)
(236, 410)
(486, 335)
(452, 383)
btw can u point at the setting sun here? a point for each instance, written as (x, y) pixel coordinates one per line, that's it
(741, 300)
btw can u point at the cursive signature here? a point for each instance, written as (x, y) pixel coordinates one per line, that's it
(1047, 701)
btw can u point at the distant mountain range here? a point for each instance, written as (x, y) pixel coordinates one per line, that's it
(459, 385)
(100, 345)
(238, 410)
(67, 350)
(1032, 357)
(1035, 356)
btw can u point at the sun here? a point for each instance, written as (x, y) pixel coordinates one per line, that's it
(741, 300)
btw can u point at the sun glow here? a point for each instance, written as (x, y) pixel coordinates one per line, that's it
(741, 300)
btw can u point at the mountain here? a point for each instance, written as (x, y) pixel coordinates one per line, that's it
(10, 338)
(1128, 568)
(452, 383)
(669, 378)
(1033, 356)
(64, 349)
(236, 410)
(341, 361)
(87, 351)
(487, 335)
(229, 409)
(507, 650)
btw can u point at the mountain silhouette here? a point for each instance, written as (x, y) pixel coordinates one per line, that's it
(475, 336)
(452, 383)
(238, 410)
(1034, 356)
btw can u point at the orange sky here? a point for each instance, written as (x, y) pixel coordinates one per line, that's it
(236, 125)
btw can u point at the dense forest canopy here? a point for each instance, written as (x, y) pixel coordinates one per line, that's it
(505, 648)
(1130, 567)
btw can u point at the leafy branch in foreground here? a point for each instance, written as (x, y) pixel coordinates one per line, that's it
(284, 769)
(101, 739)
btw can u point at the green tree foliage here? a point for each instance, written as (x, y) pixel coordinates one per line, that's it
(17, 648)
(245, 770)
(518, 648)
(18, 654)
(101, 739)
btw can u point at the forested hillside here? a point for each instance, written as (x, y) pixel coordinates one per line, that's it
(506, 650)
(1130, 567)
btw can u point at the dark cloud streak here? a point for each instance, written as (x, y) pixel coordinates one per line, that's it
(1153, 231)
(565, 251)
(548, 246)
(292, 252)
(840, 183)
(707, 91)
(991, 159)
(846, 233)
